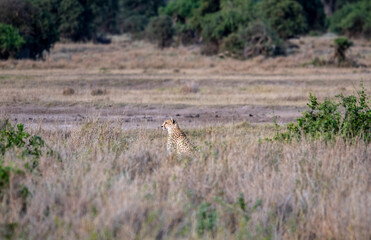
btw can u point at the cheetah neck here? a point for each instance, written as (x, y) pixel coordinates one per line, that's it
(172, 130)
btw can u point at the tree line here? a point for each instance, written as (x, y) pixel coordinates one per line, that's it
(243, 28)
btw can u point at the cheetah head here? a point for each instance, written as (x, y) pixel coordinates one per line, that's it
(169, 124)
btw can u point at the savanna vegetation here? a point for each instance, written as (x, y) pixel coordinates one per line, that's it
(282, 146)
(243, 28)
(100, 182)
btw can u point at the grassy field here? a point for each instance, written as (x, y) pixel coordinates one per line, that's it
(109, 176)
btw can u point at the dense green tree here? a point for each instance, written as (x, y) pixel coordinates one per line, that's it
(35, 21)
(107, 16)
(135, 14)
(10, 41)
(148, 8)
(285, 16)
(83, 20)
(161, 31)
(76, 20)
(314, 13)
(181, 10)
(353, 19)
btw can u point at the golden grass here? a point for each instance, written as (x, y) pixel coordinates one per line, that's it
(111, 184)
(43, 87)
(115, 184)
(138, 73)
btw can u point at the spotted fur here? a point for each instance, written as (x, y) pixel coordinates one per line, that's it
(177, 141)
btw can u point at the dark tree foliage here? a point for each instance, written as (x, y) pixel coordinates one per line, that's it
(83, 20)
(147, 8)
(36, 24)
(77, 19)
(314, 13)
(107, 17)
(353, 19)
(341, 3)
(253, 40)
(134, 15)
(161, 31)
(209, 6)
(285, 16)
(181, 10)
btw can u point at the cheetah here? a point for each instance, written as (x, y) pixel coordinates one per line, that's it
(177, 141)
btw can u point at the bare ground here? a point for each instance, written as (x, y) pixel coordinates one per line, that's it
(142, 85)
(131, 117)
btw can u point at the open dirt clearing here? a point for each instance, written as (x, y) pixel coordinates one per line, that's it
(143, 100)
(139, 86)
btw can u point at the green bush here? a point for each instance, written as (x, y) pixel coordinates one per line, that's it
(350, 118)
(342, 44)
(285, 16)
(35, 21)
(233, 45)
(10, 41)
(218, 25)
(353, 19)
(206, 218)
(161, 31)
(254, 40)
(16, 137)
(25, 145)
(182, 12)
(261, 39)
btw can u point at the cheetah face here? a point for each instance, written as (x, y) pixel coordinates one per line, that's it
(168, 124)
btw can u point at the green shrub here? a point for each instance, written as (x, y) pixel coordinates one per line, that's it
(220, 24)
(353, 19)
(161, 31)
(342, 44)
(255, 39)
(260, 39)
(16, 137)
(285, 16)
(206, 218)
(350, 118)
(10, 41)
(23, 143)
(233, 45)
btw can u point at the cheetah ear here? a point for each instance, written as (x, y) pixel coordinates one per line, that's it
(172, 120)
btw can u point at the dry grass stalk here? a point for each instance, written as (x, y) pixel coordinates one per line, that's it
(190, 87)
(112, 184)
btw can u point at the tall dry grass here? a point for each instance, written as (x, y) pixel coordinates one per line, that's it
(114, 184)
